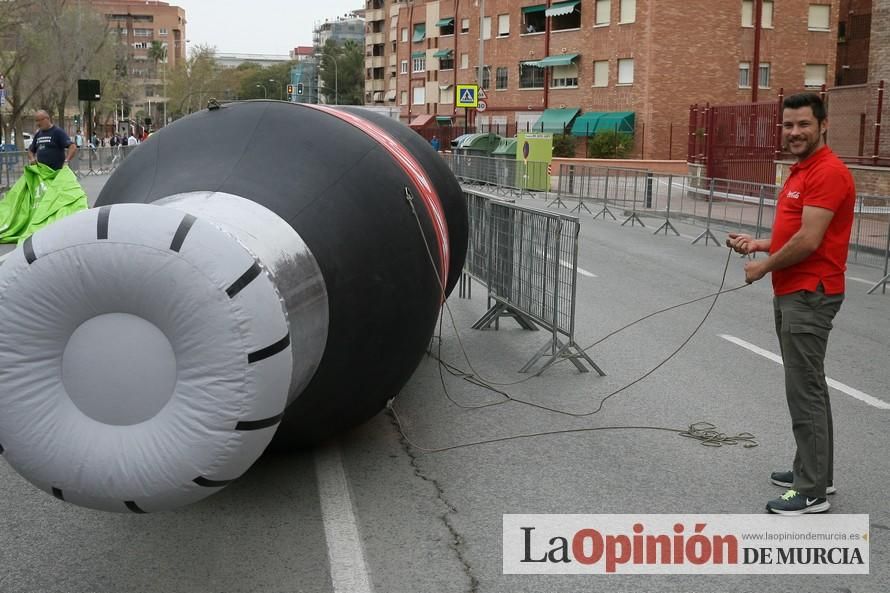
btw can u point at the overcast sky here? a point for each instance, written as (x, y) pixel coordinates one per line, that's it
(258, 26)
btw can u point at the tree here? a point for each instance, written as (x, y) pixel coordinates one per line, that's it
(45, 47)
(343, 72)
(194, 82)
(610, 145)
(72, 39)
(157, 53)
(16, 64)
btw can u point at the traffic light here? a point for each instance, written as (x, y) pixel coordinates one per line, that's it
(290, 90)
(299, 88)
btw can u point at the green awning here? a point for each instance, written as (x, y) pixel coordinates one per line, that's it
(562, 8)
(419, 33)
(443, 120)
(443, 53)
(535, 8)
(585, 124)
(555, 121)
(446, 22)
(418, 54)
(617, 121)
(551, 61)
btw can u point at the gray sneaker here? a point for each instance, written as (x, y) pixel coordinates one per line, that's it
(795, 503)
(786, 480)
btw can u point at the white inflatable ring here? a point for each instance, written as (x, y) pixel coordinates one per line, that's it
(145, 358)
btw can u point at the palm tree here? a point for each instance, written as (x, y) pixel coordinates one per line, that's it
(157, 52)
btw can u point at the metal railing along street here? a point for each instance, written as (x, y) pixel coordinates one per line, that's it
(641, 197)
(87, 161)
(723, 204)
(528, 260)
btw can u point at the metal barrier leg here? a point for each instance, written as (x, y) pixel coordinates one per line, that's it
(580, 205)
(559, 351)
(707, 234)
(558, 201)
(667, 213)
(883, 281)
(605, 210)
(494, 314)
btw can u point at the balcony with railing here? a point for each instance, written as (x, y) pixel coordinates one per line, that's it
(377, 14)
(375, 61)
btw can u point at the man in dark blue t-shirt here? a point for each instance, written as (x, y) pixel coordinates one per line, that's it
(50, 145)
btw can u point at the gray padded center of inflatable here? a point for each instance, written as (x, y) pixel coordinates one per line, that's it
(119, 369)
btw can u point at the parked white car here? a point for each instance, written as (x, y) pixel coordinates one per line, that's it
(26, 140)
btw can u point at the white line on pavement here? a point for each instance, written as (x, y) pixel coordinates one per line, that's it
(869, 399)
(349, 573)
(862, 280)
(581, 271)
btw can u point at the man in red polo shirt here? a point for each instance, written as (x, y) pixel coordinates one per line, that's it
(807, 258)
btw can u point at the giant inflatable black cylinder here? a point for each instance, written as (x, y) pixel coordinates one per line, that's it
(349, 220)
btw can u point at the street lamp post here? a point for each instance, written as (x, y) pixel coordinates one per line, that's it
(265, 92)
(280, 88)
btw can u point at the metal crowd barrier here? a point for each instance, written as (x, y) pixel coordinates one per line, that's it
(710, 203)
(528, 260)
(87, 161)
(501, 175)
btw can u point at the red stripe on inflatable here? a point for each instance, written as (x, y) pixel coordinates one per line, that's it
(413, 169)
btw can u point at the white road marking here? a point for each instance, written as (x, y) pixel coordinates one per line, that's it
(862, 280)
(864, 397)
(349, 574)
(581, 271)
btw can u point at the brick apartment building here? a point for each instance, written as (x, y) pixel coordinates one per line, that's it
(641, 57)
(879, 55)
(853, 39)
(138, 23)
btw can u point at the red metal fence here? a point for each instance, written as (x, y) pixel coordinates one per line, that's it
(742, 142)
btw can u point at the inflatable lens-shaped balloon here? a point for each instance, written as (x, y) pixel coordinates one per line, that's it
(258, 273)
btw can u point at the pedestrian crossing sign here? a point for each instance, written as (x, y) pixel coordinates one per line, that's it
(466, 95)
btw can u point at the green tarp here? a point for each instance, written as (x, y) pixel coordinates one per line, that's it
(535, 8)
(555, 121)
(443, 53)
(40, 197)
(419, 33)
(617, 121)
(445, 22)
(590, 124)
(562, 8)
(551, 61)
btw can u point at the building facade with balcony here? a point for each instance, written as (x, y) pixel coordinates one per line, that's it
(551, 62)
(138, 24)
(349, 27)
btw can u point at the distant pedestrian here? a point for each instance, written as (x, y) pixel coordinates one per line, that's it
(50, 145)
(434, 142)
(132, 141)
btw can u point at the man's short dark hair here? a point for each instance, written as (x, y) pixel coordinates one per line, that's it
(811, 100)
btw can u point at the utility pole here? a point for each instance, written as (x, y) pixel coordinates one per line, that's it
(481, 42)
(758, 25)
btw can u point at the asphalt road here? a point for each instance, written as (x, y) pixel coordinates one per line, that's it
(372, 511)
